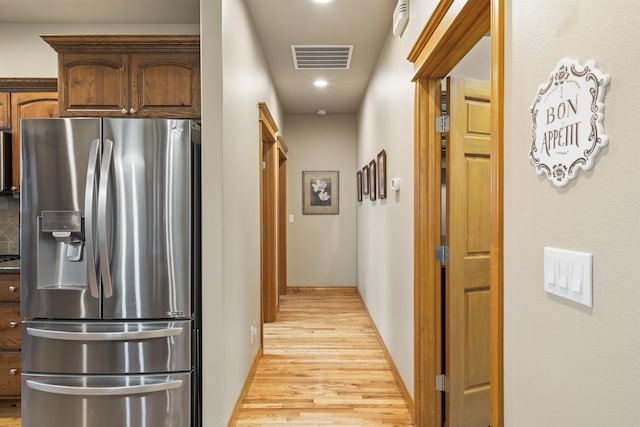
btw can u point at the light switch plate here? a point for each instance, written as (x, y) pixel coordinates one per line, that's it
(569, 274)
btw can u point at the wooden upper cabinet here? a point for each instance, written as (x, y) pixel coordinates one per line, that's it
(93, 84)
(128, 76)
(161, 84)
(4, 110)
(28, 105)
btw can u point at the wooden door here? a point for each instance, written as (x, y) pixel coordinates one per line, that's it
(28, 105)
(269, 226)
(468, 236)
(165, 85)
(269, 159)
(94, 84)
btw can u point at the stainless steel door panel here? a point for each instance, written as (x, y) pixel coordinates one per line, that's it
(150, 229)
(106, 401)
(106, 347)
(55, 158)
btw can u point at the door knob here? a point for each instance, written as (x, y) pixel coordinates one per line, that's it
(12, 288)
(13, 324)
(123, 111)
(132, 110)
(13, 371)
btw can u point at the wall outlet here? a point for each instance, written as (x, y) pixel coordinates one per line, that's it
(253, 332)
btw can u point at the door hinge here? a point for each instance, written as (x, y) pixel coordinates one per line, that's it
(442, 383)
(442, 254)
(442, 124)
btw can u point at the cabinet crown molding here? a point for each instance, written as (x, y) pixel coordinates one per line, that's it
(28, 84)
(123, 43)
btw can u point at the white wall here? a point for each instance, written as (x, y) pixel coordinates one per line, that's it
(321, 249)
(567, 365)
(385, 227)
(24, 54)
(235, 79)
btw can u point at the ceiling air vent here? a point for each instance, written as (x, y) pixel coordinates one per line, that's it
(321, 57)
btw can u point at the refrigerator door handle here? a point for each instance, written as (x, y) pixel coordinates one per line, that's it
(89, 203)
(103, 391)
(103, 241)
(104, 336)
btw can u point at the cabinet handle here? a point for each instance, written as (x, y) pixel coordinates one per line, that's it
(13, 371)
(13, 324)
(132, 110)
(12, 288)
(14, 188)
(123, 111)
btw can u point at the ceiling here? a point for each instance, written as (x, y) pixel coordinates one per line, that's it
(278, 23)
(101, 11)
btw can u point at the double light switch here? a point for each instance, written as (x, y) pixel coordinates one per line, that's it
(569, 274)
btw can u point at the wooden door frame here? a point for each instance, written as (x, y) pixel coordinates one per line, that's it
(268, 211)
(453, 29)
(282, 216)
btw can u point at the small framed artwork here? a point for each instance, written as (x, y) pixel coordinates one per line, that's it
(372, 180)
(320, 192)
(359, 185)
(365, 180)
(382, 175)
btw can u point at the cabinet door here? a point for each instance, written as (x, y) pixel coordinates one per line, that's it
(9, 289)
(4, 110)
(10, 370)
(28, 105)
(93, 84)
(10, 330)
(165, 85)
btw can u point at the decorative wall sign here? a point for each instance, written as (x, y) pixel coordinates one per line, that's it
(567, 116)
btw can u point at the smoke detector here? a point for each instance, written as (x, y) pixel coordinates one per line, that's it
(400, 17)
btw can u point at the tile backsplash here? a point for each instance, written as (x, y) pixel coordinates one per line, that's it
(9, 225)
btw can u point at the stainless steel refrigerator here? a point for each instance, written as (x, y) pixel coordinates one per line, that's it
(110, 272)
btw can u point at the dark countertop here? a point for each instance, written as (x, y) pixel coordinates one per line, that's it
(10, 266)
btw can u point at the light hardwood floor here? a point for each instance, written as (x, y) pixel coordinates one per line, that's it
(322, 365)
(9, 413)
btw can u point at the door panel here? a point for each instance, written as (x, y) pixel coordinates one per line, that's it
(468, 234)
(9, 328)
(165, 85)
(92, 84)
(106, 401)
(55, 164)
(150, 228)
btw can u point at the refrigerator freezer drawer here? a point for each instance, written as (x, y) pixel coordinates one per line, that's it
(106, 401)
(106, 347)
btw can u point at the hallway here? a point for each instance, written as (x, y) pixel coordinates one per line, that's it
(322, 365)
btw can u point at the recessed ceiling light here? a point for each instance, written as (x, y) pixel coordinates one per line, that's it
(323, 1)
(320, 83)
(322, 112)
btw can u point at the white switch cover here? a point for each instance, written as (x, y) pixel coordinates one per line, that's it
(291, 218)
(569, 274)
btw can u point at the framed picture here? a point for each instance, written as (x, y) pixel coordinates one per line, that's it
(382, 175)
(359, 185)
(372, 180)
(320, 192)
(365, 180)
